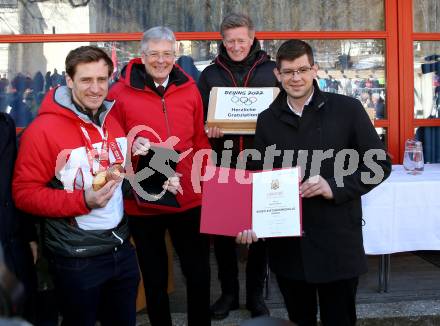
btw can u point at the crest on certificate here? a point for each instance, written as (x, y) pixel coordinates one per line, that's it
(275, 184)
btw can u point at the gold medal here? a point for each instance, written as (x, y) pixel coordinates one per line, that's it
(115, 172)
(99, 180)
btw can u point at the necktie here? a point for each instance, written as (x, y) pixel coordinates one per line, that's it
(160, 90)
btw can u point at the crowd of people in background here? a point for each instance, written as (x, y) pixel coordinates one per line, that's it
(22, 95)
(369, 90)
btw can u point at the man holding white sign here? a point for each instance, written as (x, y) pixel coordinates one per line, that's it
(240, 63)
(333, 141)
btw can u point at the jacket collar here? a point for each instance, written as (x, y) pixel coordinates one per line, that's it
(62, 96)
(240, 72)
(255, 53)
(137, 77)
(281, 110)
(95, 118)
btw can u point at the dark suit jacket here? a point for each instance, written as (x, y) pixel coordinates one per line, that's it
(331, 247)
(256, 71)
(16, 230)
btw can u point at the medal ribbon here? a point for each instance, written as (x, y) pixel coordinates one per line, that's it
(102, 158)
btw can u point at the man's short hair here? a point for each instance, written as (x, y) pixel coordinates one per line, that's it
(157, 33)
(234, 21)
(86, 54)
(293, 49)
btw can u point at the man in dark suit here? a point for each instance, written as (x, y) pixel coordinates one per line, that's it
(240, 63)
(344, 159)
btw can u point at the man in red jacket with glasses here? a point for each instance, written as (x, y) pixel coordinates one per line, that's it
(159, 105)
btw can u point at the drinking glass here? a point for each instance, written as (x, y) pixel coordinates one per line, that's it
(413, 157)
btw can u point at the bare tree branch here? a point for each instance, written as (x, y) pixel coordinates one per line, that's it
(73, 3)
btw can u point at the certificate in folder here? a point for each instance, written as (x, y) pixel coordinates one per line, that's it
(267, 202)
(157, 166)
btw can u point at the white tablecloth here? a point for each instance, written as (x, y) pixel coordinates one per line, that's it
(403, 213)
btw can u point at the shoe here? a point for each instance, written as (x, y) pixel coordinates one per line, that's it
(220, 309)
(257, 307)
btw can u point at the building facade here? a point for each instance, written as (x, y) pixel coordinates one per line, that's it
(384, 52)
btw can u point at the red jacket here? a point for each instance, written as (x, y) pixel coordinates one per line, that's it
(177, 115)
(52, 168)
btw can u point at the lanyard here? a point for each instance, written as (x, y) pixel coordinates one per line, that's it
(102, 158)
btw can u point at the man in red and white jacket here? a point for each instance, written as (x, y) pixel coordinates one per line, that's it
(65, 172)
(155, 96)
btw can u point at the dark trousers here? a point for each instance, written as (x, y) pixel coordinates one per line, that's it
(19, 261)
(225, 250)
(102, 287)
(191, 247)
(336, 301)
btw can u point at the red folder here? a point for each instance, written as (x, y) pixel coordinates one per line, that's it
(226, 201)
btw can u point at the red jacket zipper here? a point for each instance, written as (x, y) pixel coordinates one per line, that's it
(246, 80)
(164, 109)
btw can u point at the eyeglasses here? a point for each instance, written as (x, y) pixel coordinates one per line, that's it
(158, 55)
(240, 42)
(291, 73)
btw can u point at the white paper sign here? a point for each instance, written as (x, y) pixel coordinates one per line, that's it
(238, 103)
(276, 210)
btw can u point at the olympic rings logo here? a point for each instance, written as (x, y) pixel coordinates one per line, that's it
(243, 100)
